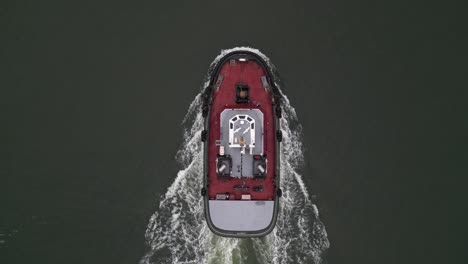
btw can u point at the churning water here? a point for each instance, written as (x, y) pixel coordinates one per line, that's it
(177, 231)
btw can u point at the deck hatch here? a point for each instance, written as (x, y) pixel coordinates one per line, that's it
(242, 93)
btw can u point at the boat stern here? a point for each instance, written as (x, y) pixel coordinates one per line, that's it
(237, 218)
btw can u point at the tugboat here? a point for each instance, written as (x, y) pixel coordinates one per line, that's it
(241, 140)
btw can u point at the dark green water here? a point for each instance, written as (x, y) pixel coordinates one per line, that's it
(93, 94)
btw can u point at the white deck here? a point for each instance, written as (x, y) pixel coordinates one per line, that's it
(241, 215)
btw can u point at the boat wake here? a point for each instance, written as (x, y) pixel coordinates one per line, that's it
(177, 231)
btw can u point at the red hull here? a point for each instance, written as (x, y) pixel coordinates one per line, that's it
(250, 73)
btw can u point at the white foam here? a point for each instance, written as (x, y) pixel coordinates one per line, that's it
(177, 231)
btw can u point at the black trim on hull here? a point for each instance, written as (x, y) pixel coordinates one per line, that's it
(206, 108)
